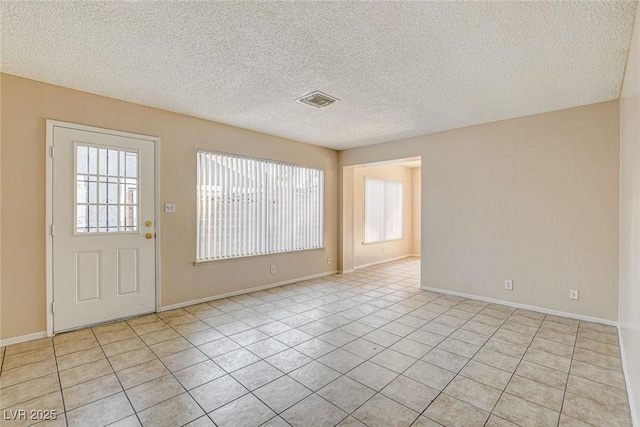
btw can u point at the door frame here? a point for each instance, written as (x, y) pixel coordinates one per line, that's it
(50, 125)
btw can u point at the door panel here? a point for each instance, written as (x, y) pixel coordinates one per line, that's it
(103, 209)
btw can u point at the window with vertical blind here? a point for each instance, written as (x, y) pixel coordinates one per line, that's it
(250, 206)
(383, 210)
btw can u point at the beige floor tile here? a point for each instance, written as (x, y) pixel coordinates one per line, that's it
(595, 413)
(542, 374)
(51, 402)
(521, 328)
(314, 375)
(552, 347)
(27, 357)
(141, 373)
(487, 375)
(430, 375)
(393, 360)
(314, 411)
(381, 303)
(155, 327)
(372, 375)
(449, 411)
(86, 372)
(497, 359)
(130, 421)
(566, 421)
(598, 336)
(536, 392)
(203, 336)
(153, 392)
(525, 413)
(495, 421)
(505, 347)
(101, 413)
(219, 347)
(131, 358)
(412, 394)
(256, 375)
(346, 393)
(114, 336)
(199, 374)
(218, 392)
(123, 346)
(74, 335)
(26, 346)
(282, 393)
(547, 359)
(204, 421)
(381, 411)
(600, 347)
(446, 360)
(474, 393)
(90, 391)
(350, 422)
(75, 346)
(28, 390)
(363, 348)
(72, 360)
(598, 359)
(236, 359)
(602, 393)
(14, 376)
(247, 411)
(596, 373)
(162, 335)
(175, 411)
(174, 345)
(411, 348)
(458, 347)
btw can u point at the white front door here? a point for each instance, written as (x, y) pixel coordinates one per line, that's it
(103, 206)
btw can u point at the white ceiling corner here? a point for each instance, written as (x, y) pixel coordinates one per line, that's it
(400, 69)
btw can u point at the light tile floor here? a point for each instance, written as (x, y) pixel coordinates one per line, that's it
(366, 348)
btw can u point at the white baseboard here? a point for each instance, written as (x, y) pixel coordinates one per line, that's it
(523, 306)
(630, 390)
(358, 267)
(351, 270)
(415, 255)
(22, 338)
(245, 291)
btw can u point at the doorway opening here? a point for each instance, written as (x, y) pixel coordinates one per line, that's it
(382, 207)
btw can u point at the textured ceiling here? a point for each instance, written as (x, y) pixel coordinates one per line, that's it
(400, 69)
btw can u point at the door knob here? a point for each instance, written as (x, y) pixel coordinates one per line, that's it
(149, 236)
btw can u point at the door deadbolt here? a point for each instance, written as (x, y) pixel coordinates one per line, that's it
(148, 223)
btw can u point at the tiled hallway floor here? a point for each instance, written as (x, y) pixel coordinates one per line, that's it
(366, 348)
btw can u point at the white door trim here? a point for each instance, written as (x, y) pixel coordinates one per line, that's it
(51, 124)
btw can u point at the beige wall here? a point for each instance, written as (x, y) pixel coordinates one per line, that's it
(365, 254)
(630, 221)
(416, 209)
(533, 199)
(27, 104)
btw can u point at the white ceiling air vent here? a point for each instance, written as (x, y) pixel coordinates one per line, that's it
(317, 99)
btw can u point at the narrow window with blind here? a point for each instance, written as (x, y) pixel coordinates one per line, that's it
(250, 207)
(383, 210)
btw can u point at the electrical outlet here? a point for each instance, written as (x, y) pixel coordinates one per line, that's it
(573, 294)
(272, 269)
(508, 285)
(328, 261)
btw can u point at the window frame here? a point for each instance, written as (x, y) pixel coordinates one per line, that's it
(321, 208)
(364, 210)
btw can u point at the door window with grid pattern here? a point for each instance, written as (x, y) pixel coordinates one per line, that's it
(106, 190)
